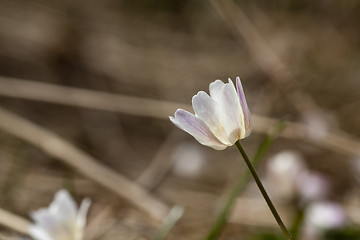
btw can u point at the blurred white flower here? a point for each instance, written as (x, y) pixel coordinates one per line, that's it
(220, 119)
(62, 220)
(283, 171)
(323, 216)
(288, 177)
(188, 160)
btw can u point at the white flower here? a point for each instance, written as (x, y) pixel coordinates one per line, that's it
(220, 119)
(283, 171)
(322, 216)
(62, 220)
(289, 177)
(188, 160)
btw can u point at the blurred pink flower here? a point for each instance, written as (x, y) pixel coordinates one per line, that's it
(322, 216)
(220, 119)
(312, 186)
(62, 220)
(288, 177)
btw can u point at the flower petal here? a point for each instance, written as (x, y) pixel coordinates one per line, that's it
(196, 128)
(232, 116)
(209, 112)
(81, 215)
(61, 220)
(63, 207)
(38, 233)
(216, 90)
(244, 106)
(44, 219)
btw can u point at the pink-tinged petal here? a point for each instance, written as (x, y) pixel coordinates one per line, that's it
(244, 106)
(209, 112)
(196, 128)
(232, 116)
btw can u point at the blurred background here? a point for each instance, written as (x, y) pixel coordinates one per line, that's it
(95, 81)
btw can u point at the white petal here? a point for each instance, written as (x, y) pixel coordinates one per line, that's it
(209, 112)
(81, 215)
(232, 115)
(44, 219)
(216, 90)
(59, 220)
(244, 106)
(197, 128)
(38, 233)
(63, 207)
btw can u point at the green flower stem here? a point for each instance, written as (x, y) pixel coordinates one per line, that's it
(263, 191)
(298, 221)
(226, 207)
(240, 186)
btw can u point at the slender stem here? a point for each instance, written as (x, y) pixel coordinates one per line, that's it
(263, 191)
(299, 219)
(226, 207)
(245, 176)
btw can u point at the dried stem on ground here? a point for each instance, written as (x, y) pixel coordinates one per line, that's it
(160, 165)
(83, 162)
(338, 141)
(14, 222)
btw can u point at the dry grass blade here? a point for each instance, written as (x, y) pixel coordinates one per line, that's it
(339, 141)
(99, 224)
(14, 222)
(335, 141)
(160, 166)
(32, 90)
(84, 163)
